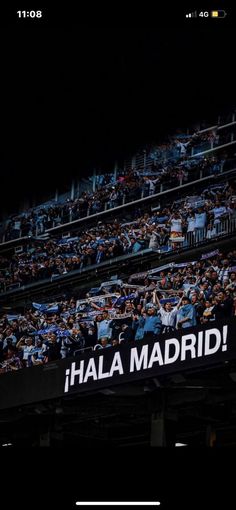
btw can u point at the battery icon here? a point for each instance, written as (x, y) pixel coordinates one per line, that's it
(218, 14)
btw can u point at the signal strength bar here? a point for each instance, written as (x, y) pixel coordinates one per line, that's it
(191, 15)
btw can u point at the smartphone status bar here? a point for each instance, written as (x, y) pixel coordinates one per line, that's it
(217, 14)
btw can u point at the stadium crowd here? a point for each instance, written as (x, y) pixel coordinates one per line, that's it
(182, 223)
(168, 164)
(148, 305)
(175, 296)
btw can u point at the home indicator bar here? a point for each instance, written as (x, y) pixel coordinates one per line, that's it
(118, 503)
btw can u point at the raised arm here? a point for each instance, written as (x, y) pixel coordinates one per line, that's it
(179, 303)
(155, 299)
(95, 306)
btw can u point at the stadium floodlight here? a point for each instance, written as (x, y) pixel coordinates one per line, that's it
(118, 503)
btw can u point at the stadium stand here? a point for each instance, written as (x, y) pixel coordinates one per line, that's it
(208, 214)
(154, 169)
(125, 259)
(161, 300)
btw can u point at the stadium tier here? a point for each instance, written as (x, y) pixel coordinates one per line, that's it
(175, 296)
(131, 280)
(174, 224)
(181, 160)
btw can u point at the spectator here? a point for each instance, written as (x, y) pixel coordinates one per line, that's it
(200, 224)
(26, 346)
(104, 326)
(223, 306)
(151, 323)
(105, 342)
(167, 313)
(186, 316)
(126, 334)
(45, 333)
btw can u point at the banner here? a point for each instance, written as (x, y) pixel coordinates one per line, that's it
(210, 254)
(51, 308)
(94, 299)
(111, 283)
(13, 317)
(193, 348)
(68, 240)
(161, 268)
(122, 299)
(118, 316)
(173, 300)
(138, 276)
(185, 264)
(136, 287)
(175, 238)
(172, 265)
(100, 300)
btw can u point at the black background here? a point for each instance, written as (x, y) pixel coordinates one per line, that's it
(57, 479)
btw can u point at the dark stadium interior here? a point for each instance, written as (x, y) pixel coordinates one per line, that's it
(117, 200)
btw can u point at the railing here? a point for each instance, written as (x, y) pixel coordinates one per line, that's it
(82, 350)
(144, 161)
(130, 194)
(192, 176)
(138, 193)
(216, 230)
(13, 286)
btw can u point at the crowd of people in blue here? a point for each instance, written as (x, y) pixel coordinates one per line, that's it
(181, 223)
(161, 300)
(166, 165)
(170, 297)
